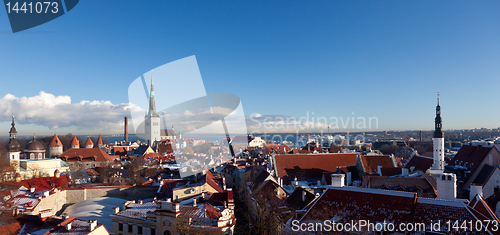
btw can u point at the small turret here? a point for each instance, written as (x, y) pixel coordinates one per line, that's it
(74, 143)
(55, 147)
(89, 144)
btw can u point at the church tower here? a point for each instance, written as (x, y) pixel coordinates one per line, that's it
(14, 147)
(438, 144)
(152, 119)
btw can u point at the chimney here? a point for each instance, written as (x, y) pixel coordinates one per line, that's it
(447, 186)
(404, 172)
(194, 201)
(140, 201)
(304, 194)
(348, 178)
(379, 170)
(116, 210)
(68, 226)
(475, 189)
(338, 180)
(126, 129)
(18, 177)
(93, 224)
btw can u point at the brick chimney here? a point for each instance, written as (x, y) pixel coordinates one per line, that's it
(126, 129)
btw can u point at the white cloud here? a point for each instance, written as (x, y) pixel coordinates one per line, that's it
(54, 112)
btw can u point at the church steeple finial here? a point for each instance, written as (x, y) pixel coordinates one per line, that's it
(438, 99)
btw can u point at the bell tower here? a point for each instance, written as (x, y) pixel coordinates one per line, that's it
(438, 143)
(13, 147)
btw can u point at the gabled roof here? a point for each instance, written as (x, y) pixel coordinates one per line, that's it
(55, 142)
(422, 163)
(210, 179)
(89, 142)
(289, 166)
(371, 162)
(484, 174)
(261, 177)
(75, 141)
(493, 200)
(143, 149)
(85, 154)
(295, 200)
(481, 209)
(470, 157)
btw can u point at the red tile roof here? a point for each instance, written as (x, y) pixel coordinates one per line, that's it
(291, 165)
(422, 163)
(47, 183)
(12, 228)
(410, 184)
(74, 141)
(278, 148)
(371, 162)
(55, 142)
(210, 179)
(481, 210)
(353, 203)
(85, 154)
(89, 142)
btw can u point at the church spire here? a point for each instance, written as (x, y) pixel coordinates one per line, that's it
(13, 131)
(438, 133)
(152, 106)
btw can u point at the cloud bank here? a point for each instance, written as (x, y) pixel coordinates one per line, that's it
(55, 112)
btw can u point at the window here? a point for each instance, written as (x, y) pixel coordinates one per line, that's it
(153, 231)
(443, 177)
(32, 156)
(449, 177)
(139, 229)
(39, 156)
(130, 228)
(120, 227)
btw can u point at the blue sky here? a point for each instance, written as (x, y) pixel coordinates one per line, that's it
(384, 59)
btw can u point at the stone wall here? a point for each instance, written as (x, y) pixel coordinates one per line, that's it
(74, 195)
